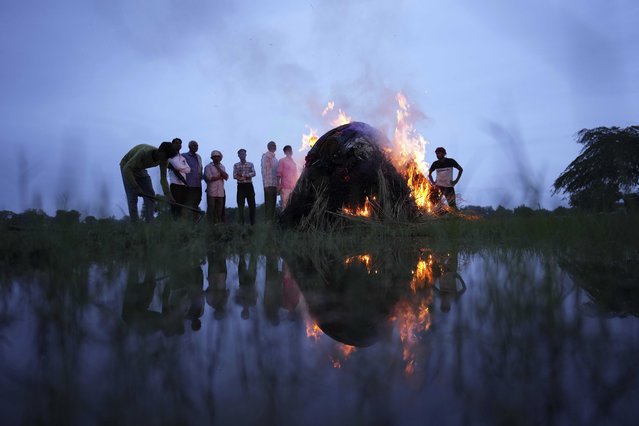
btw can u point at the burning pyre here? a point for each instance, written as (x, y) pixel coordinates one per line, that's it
(354, 170)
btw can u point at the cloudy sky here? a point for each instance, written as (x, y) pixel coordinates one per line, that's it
(503, 85)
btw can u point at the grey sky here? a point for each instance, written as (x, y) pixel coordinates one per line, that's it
(503, 85)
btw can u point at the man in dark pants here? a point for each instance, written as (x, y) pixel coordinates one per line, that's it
(444, 183)
(244, 172)
(269, 178)
(137, 182)
(194, 178)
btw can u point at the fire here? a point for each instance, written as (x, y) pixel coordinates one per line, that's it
(309, 139)
(364, 211)
(408, 150)
(341, 117)
(406, 153)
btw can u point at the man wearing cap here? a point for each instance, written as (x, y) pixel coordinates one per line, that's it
(137, 182)
(194, 178)
(444, 183)
(244, 172)
(214, 176)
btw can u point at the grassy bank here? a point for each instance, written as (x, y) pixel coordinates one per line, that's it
(36, 239)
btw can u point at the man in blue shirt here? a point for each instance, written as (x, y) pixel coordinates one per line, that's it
(194, 178)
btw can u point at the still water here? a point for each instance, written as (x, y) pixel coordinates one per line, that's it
(393, 336)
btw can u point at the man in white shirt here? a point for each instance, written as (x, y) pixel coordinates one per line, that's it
(177, 176)
(269, 177)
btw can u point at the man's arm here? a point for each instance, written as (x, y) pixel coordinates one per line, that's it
(459, 170)
(223, 174)
(236, 174)
(251, 170)
(430, 175)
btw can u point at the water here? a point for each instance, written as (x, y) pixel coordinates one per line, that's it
(388, 336)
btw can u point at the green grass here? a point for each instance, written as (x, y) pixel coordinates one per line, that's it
(34, 239)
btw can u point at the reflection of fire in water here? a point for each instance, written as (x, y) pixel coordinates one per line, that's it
(312, 330)
(364, 259)
(406, 153)
(412, 317)
(343, 353)
(411, 321)
(423, 274)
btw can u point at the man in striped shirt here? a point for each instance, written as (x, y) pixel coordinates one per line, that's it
(244, 172)
(444, 183)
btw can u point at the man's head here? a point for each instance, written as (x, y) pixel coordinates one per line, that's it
(242, 154)
(167, 150)
(193, 147)
(177, 143)
(440, 152)
(271, 146)
(288, 151)
(216, 156)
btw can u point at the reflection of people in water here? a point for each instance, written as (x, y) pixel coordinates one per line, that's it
(246, 294)
(451, 285)
(196, 296)
(137, 298)
(272, 290)
(217, 295)
(183, 297)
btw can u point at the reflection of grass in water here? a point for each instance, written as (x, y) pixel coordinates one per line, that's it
(519, 335)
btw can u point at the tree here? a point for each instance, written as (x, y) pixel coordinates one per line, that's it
(605, 170)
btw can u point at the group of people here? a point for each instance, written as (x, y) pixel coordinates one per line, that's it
(183, 188)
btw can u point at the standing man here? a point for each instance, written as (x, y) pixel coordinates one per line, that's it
(243, 172)
(444, 183)
(137, 182)
(179, 168)
(269, 177)
(215, 175)
(194, 178)
(286, 175)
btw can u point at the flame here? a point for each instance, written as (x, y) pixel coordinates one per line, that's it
(309, 139)
(407, 153)
(365, 211)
